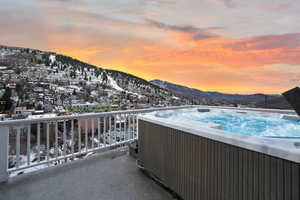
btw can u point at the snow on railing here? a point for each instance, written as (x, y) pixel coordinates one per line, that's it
(39, 143)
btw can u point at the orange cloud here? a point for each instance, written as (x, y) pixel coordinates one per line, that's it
(197, 57)
(211, 64)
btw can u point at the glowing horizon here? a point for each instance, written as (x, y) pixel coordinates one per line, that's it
(212, 45)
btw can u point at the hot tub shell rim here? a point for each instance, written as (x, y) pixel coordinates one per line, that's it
(284, 148)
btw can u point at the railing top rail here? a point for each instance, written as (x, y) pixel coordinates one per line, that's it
(137, 111)
(87, 115)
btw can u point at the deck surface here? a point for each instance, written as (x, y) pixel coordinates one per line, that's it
(110, 176)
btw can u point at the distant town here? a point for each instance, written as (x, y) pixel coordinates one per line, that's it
(36, 84)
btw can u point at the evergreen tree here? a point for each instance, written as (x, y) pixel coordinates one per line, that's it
(74, 92)
(74, 73)
(7, 94)
(104, 78)
(6, 98)
(20, 89)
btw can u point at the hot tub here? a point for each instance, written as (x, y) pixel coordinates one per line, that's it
(223, 153)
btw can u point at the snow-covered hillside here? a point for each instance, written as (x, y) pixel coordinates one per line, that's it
(49, 67)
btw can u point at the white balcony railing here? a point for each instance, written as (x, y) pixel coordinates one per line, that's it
(29, 144)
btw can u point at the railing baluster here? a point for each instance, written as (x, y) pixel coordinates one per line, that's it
(125, 127)
(48, 142)
(79, 135)
(86, 135)
(129, 126)
(39, 142)
(121, 122)
(120, 128)
(18, 147)
(132, 128)
(93, 129)
(72, 137)
(135, 126)
(109, 131)
(56, 140)
(28, 144)
(104, 132)
(99, 131)
(115, 129)
(119, 125)
(122, 125)
(64, 139)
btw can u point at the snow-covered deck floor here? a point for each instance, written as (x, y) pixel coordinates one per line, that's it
(110, 176)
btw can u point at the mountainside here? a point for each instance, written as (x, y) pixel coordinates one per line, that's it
(277, 102)
(58, 75)
(257, 100)
(22, 60)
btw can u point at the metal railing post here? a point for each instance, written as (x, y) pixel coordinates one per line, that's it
(4, 131)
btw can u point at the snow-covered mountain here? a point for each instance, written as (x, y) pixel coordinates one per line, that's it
(216, 97)
(50, 67)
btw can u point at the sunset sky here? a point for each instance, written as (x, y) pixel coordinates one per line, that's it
(233, 46)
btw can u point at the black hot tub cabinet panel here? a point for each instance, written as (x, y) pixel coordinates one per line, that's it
(198, 168)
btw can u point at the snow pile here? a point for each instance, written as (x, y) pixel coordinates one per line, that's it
(52, 58)
(134, 93)
(4, 52)
(111, 82)
(74, 87)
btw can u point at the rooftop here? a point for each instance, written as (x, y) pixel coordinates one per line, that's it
(108, 176)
